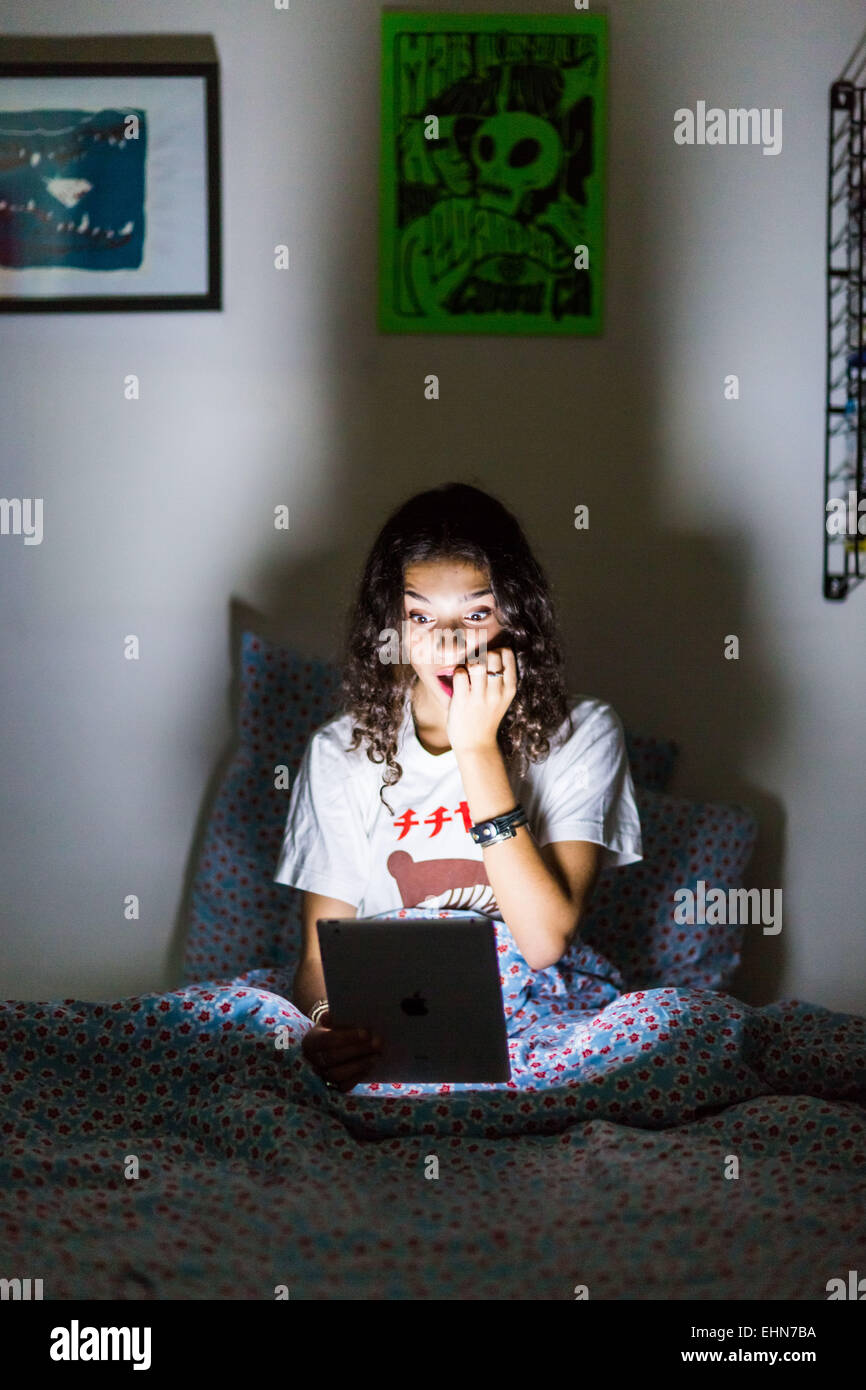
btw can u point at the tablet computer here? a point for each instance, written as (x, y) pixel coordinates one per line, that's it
(428, 986)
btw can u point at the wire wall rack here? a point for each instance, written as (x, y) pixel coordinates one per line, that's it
(845, 429)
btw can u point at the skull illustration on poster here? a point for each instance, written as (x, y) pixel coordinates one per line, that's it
(495, 174)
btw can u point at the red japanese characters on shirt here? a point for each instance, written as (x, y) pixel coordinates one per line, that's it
(451, 883)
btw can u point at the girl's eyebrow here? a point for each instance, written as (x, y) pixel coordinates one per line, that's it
(477, 593)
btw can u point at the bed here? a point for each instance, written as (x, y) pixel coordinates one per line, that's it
(674, 1144)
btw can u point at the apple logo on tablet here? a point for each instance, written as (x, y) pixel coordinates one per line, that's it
(414, 1005)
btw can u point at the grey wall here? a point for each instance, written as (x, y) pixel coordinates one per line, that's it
(706, 515)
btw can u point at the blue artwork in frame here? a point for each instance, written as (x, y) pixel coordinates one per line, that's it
(109, 173)
(72, 188)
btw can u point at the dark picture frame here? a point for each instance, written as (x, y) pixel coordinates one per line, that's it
(110, 184)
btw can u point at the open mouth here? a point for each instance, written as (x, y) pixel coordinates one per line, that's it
(446, 680)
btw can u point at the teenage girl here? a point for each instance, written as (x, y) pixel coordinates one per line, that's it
(505, 795)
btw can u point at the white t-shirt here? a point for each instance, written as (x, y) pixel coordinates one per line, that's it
(342, 842)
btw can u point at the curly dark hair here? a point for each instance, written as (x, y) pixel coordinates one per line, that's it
(453, 522)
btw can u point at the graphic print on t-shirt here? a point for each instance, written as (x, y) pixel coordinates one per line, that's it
(447, 882)
(442, 882)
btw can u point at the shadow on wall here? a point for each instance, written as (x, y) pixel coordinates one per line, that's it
(674, 600)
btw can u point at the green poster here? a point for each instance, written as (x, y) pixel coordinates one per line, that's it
(492, 173)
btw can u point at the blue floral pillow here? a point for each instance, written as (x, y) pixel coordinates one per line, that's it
(241, 920)
(631, 920)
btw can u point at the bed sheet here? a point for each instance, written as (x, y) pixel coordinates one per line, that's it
(667, 1143)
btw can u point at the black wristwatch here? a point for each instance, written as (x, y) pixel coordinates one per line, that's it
(489, 832)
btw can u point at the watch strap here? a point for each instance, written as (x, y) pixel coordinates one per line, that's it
(489, 832)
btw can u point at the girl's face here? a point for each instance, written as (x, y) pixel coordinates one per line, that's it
(448, 615)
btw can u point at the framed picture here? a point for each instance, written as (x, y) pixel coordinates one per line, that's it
(109, 173)
(492, 178)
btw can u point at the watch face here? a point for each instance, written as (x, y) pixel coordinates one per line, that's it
(488, 832)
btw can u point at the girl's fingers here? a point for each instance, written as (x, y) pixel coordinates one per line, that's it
(495, 665)
(351, 1072)
(477, 673)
